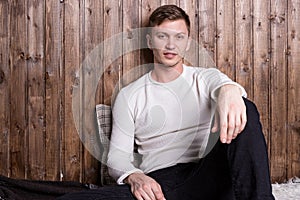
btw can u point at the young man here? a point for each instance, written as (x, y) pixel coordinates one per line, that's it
(171, 114)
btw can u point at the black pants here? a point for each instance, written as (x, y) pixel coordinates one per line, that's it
(238, 171)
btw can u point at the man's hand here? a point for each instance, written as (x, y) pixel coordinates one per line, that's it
(231, 115)
(144, 187)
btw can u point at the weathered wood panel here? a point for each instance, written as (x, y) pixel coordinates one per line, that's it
(261, 62)
(72, 147)
(225, 60)
(293, 51)
(278, 90)
(243, 45)
(43, 45)
(54, 71)
(4, 88)
(93, 36)
(18, 89)
(36, 90)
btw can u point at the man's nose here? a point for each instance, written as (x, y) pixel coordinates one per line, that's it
(170, 43)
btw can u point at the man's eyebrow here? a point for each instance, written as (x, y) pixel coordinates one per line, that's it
(173, 32)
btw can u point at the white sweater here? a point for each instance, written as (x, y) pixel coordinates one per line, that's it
(169, 122)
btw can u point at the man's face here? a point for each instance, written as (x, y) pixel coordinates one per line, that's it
(169, 42)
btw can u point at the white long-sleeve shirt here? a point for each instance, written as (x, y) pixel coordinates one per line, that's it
(169, 122)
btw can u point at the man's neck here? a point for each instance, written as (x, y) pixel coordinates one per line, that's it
(165, 74)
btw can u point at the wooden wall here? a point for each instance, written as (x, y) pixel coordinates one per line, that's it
(44, 42)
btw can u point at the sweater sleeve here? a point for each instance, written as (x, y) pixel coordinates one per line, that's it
(121, 149)
(215, 79)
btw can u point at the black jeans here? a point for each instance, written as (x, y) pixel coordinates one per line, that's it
(236, 171)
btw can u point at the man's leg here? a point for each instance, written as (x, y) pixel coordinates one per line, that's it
(236, 171)
(248, 160)
(118, 192)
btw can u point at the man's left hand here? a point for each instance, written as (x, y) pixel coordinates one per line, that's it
(231, 115)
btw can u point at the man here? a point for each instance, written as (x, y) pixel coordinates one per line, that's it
(169, 115)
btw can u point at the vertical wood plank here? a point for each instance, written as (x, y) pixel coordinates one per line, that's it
(261, 63)
(54, 88)
(278, 91)
(293, 88)
(207, 30)
(191, 8)
(93, 21)
(113, 24)
(131, 22)
(243, 45)
(225, 38)
(4, 88)
(147, 7)
(72, 56)
(18, 84)
(165, 2)
(36, 90)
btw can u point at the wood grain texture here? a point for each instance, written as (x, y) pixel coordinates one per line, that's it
(112, 63)
(43, 45)
(18, 90)
(293, 145)
(4, 88)
(243, 45)
(93, 36)
(225, 38)
(278, 92)
(72, 59)
(261, 63)
(36, 90)
(54, 89)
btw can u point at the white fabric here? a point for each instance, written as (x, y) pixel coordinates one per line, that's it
(169, 122)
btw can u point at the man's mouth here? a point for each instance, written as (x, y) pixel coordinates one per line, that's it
(170, 55)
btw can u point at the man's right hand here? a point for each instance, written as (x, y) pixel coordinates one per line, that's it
(144, 187)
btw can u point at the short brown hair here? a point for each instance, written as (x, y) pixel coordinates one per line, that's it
(168, 12)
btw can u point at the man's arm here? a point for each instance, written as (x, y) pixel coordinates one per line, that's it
(120, 155)
(231, 113)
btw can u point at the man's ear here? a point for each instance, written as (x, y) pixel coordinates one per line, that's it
(149, 41)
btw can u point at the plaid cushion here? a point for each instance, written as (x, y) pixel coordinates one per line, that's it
(104, 121)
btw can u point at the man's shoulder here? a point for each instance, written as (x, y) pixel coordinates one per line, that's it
(140, 82)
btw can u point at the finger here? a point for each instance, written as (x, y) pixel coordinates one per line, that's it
(243, 120)
(223, 128)
(231, 127)
(145, 196)
(237, 126)
(158, 193)
(216, 120)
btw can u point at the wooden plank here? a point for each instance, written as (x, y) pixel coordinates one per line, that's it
(225, 38)
(293, 89)
(54, 88)
(191, 8)
(4, 88)
(207, 32)
(36, 90)
(165, 2)
(261, 63)
(131, 22)
(278, 91)
(243, 45)
(93, 21)
(147, 7)
(18, 90)
(113, 67)
(72, 57)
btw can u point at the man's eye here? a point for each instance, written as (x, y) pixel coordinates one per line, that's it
(180, 37)
(161, 36)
